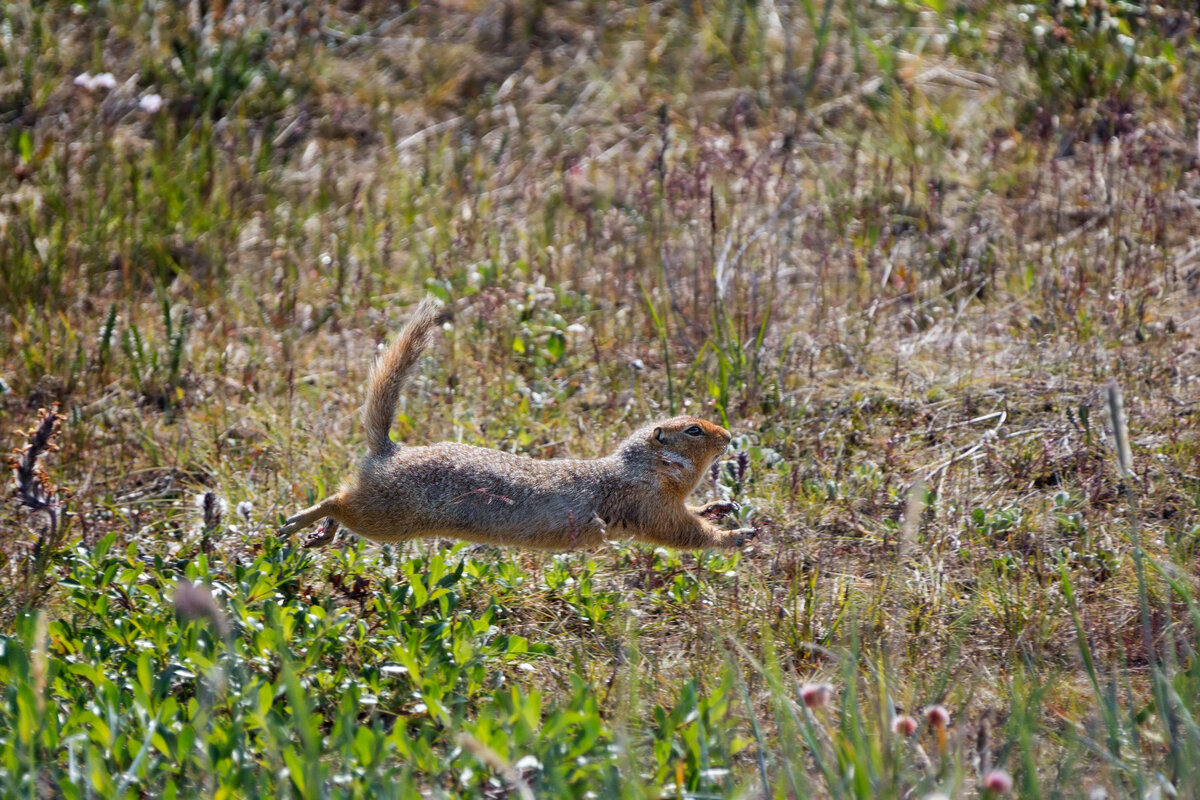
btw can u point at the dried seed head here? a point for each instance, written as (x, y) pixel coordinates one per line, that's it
(998, 781)
(714, 472)
(34, 488)
(904, 725)
(937, 716)
(244, 508)
(743, 463)
(816, 695)
(212, 508)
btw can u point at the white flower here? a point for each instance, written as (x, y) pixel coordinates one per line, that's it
(527, 762)
(151, 103)
(91, 83)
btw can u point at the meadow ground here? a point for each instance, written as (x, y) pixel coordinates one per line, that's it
(908, 252)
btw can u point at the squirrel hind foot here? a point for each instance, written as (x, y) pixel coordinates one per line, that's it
(323, 535)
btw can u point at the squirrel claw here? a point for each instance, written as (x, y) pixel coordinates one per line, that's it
(719, 509)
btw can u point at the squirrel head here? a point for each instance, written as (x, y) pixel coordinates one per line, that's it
(681, 448)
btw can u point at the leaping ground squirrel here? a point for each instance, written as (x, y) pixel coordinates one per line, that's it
(481, 495)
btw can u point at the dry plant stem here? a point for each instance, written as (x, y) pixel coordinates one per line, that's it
(1120, 428)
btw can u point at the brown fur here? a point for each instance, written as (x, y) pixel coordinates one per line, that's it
(482, 495)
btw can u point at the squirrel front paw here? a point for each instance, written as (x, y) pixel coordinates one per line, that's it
(742, 536)
(718, 509)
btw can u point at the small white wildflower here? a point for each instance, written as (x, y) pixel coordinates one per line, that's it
(525, 666)
(576, 328)
(91, 83)
(326, 259)
(244, 508)
(1039, 31)
(527, 762)
(151, 103)
(420, 708)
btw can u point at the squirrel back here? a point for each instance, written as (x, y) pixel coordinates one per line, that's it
(391, 370)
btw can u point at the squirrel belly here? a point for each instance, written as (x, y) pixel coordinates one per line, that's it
(482, 495)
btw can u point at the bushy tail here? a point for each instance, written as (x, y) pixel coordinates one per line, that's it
(389, 372)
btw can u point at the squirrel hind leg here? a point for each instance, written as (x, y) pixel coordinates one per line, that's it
(308, 516)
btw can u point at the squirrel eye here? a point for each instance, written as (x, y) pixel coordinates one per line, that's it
(694, 431)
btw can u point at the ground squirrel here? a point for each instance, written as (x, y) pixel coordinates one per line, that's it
(481, 495)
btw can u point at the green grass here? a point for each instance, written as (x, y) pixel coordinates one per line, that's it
(900, 250)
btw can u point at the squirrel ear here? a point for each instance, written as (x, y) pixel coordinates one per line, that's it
(658, 435)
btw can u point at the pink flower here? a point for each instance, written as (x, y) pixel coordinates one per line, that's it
(816, 695)
(937, 716)
(998, 781)
(904, 725)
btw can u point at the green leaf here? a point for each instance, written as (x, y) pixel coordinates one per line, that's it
(556, 346)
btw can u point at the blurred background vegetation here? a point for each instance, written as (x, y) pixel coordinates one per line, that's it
(899, 248)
